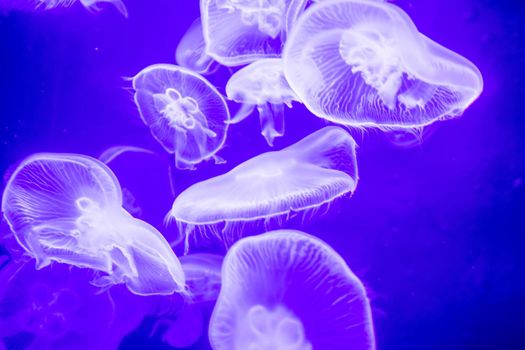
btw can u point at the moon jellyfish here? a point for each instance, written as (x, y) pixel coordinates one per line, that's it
(269, 188)
(238, 32)
(364, 63)
(67, 208)
(262, 84)
(191, 51)
(184, 112)
(289, 290)
(92, 5)
(56, 308)
(203, 276)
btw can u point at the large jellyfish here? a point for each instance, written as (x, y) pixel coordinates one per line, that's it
(269, 188)
(364, 63)
(262, 84)
(289, 290)
(92, 5)
(67, 208)
(56, 308)
(191, 51)
(237, 32)
(185, 113)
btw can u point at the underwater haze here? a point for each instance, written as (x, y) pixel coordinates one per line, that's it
(434, 230)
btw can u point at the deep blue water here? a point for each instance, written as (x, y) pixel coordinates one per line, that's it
(435, 231)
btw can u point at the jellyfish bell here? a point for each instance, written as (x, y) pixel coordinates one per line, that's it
(91, 5)
(262, 84)
(238, 32)
(364, 63)
(184, 112)
(67, 208)
(289, 290)
(270, 188)
(203, 276)
(191, 51)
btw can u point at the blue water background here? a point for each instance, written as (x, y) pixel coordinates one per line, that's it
(436, 231)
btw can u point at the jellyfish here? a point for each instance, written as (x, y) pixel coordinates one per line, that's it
(184, 112)
(191, 51)
(91, 5)
(269, 189)
(203, 276)
(238, 32)
(67, 208)
(262, 84)
(363, 63)
(57, 308)
(289, 290)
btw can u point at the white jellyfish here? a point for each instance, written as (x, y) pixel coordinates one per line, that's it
(289, 290)
(67, 208)
(203, 276)
(262, 84)
(184, 112)
(270, 188)
(237, 32)
(92, 5)
(191, 51)
(364, 63)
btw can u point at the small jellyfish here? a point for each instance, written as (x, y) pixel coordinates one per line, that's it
(67, 208)
(364, 63)
(289, 290)
(203, 276)
(269, 188)
(262, 84)
(238, 32)
(191, 51)
(91, 5)
(184, 112)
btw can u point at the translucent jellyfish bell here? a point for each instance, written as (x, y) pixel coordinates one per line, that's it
(191, 51)
(203, 276)
(184, 112)
(289, 290)
(262, 84)
(238, 32)
(364, 63)
(270, 188)
(68, 208)
(92, 5)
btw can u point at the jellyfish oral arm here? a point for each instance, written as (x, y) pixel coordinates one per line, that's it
(272, 121)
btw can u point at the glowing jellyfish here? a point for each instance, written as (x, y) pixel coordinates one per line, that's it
(237, 32)
(68, 208)
(92, 5)
(363, 63)
(203, 276)
(57, 309)
(270, 188)
(184, 112)
(262, 84)
(191, 51)
(289, 290)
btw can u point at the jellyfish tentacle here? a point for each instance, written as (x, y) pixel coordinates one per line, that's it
(245, 111)
(272, 121)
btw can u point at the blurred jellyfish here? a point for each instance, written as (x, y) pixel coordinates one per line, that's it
(269, 188)
(289, 290)
(203, 276)
(56, 308)
(262, 84)
(68, 208)
(191, 51)
(363, 63)
(237, 32)
(91, 5)
(185, 113)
